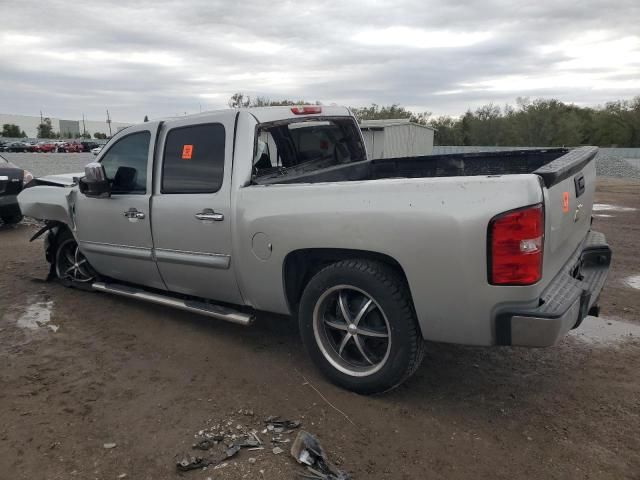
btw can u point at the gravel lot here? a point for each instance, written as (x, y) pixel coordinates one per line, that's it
(82, 370)
(41, 164)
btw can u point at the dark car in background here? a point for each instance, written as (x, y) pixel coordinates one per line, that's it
(88, 146)
(12, 181)
(18, 147)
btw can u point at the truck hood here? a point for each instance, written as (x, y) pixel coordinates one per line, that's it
(63, 180)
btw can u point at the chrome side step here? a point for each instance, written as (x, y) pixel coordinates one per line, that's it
(210, 310)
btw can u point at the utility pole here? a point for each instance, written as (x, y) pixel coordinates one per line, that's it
(84, 128)
(109, 122)
(41, 119)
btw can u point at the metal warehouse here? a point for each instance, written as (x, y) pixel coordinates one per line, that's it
(396, 138)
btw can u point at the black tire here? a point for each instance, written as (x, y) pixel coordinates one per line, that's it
(390, 310)
(66, 255)
(12, 219)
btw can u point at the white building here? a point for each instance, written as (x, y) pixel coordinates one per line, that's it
(396, 138)
(66, 128)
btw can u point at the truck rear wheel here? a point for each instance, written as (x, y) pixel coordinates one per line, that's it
(357, 323)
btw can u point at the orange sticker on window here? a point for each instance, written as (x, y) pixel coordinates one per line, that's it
(565, 202)
(187, 151)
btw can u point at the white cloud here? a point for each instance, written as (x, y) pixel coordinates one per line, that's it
(418, 38)
(159, 57)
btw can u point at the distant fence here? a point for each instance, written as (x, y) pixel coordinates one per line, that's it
(610, 162)
(603, 152)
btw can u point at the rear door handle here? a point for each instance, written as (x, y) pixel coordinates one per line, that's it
(134, 213)
(209, 214)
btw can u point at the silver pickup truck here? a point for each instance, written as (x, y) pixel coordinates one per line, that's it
(279, 209)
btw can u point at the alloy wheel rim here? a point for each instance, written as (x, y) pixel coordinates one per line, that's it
(71, 264)
(352, 331)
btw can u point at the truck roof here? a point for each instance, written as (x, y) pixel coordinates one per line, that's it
(272, 114)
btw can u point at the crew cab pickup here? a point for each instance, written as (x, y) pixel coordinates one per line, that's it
(279, 209)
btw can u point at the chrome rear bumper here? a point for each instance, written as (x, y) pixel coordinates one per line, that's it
(570, 296)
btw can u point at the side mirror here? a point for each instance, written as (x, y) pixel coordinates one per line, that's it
(95, 182)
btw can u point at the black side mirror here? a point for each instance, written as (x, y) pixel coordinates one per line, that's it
(95, 182)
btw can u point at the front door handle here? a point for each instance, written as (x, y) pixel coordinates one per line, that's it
(209, 214)
(134, 213)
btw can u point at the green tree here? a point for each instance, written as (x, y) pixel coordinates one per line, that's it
(12, 130)
(378, 112)
(101, 136)
(239, 100)
(146, 119)
(45, 130)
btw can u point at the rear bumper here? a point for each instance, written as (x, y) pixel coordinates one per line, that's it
(564, 303)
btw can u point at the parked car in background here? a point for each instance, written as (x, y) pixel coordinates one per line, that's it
(12, 180)
(45, 147)
(89, 146)
(279, 209)
(97, 149)
(17, 147)
(71, 147)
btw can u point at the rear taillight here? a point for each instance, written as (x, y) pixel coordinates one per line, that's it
(306, 109)
(516, 240)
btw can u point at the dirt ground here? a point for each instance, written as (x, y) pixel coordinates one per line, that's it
(147, 378)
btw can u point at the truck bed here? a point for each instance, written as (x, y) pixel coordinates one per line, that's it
(433, 166)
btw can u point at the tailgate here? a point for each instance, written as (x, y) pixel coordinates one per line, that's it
(569, 187)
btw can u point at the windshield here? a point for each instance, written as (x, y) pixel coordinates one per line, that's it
(296, 147)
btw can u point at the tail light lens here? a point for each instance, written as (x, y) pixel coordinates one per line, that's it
(306, 109)
(516, 240)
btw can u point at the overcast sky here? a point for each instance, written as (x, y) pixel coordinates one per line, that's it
(162, 58)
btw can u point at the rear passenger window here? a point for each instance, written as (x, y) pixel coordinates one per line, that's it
(194, 159)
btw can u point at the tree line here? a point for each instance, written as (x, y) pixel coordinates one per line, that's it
(45, 130)
(528, 123)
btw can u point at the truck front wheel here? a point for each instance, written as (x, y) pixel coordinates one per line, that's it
(358, 324)
(71, 267)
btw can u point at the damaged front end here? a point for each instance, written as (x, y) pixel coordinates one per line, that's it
(51, 200)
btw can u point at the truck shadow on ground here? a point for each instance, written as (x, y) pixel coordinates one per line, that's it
(451, 376)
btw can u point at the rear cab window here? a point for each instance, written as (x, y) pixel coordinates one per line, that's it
(194, 159)
(295, 147)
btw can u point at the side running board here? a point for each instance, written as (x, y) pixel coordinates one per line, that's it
(210, 310)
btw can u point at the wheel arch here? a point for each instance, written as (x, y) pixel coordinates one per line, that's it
(301, 265)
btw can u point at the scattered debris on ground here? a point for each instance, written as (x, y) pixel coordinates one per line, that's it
(307, 451)
(223, 440)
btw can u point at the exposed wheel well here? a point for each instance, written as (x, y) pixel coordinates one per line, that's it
(301, 265)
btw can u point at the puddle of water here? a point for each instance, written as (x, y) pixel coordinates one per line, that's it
(603, 215)
(605, 331)
(37, 315)
(633, 281)
(605, 207)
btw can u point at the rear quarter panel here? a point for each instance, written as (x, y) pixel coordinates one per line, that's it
(435, 228)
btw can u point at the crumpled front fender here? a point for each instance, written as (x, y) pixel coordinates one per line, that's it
(49, 203)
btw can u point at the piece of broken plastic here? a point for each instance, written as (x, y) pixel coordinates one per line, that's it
(306, 449)
(191, 463)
